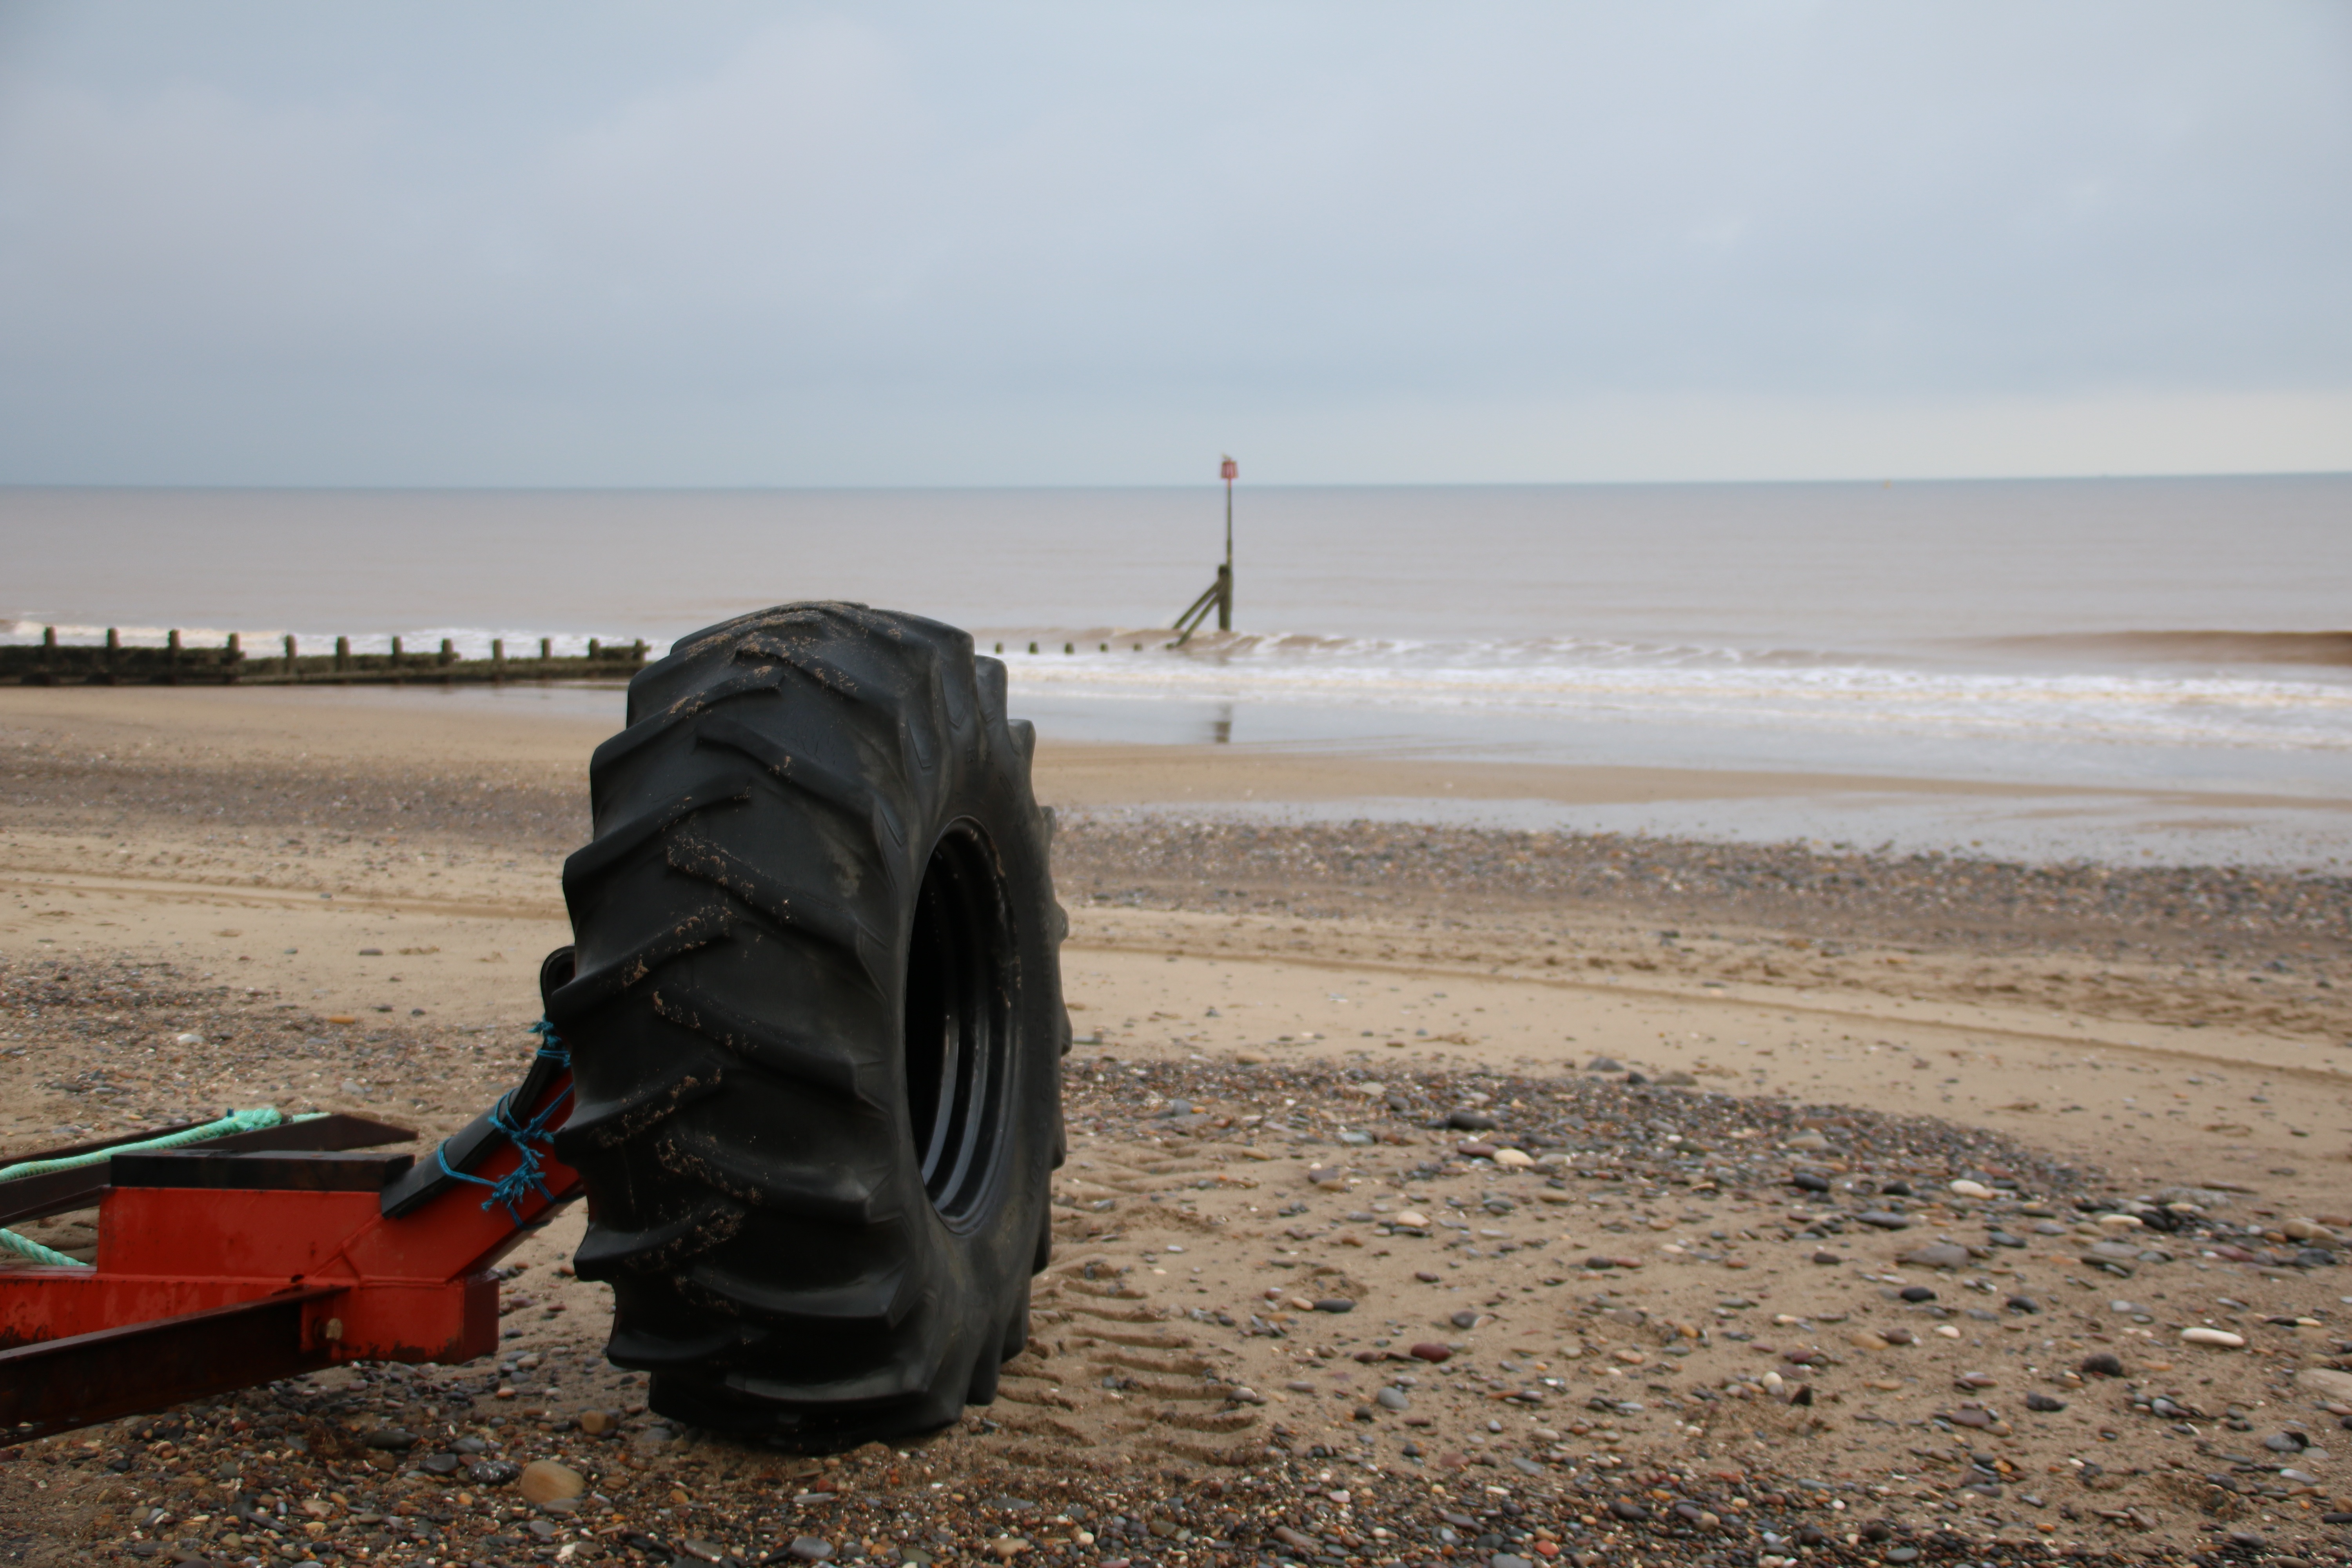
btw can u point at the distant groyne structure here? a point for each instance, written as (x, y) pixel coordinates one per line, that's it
(292, 662)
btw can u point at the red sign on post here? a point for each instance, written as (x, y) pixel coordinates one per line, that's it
(1229, 471)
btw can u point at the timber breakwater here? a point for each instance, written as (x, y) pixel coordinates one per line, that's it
(113, 662)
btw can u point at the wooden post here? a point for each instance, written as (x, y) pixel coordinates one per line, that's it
(595, 649)
(449, 652)
(499, 658)
(547, 648)
(171, 656)
(48, 656)
(289, 653)
(395, 653)
(231, 657)
(637, 651)
(1229, 471)
(113, 647)
(343, 655)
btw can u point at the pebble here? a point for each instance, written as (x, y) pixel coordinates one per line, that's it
(545, 1482)
(2326, 1382)
(1934, 1254)
(809, 1549)
(1968, 1189)
(1513, 1159)
(1429, 1351)
(2220, 1338)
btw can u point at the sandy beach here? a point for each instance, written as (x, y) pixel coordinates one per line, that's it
(1586, 1131)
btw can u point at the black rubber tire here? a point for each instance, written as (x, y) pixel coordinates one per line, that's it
(816, 1027)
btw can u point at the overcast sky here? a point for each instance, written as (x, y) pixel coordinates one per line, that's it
(1100, 243)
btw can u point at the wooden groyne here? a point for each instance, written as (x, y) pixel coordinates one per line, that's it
(113, 663)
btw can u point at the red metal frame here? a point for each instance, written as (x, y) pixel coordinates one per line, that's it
(197, 1290)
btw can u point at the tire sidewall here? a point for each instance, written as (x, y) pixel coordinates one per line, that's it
(981, 1270)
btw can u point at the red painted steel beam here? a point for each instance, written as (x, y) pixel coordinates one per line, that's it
(68, 1383)
(228, 1260)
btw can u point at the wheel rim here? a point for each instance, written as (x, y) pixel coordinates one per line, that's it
(959, 988)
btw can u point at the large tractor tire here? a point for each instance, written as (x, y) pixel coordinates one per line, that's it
(816, 1027)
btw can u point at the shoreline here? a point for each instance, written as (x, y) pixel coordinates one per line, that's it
(371, 753)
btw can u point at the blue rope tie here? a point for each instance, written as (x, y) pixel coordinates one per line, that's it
(529, 1175)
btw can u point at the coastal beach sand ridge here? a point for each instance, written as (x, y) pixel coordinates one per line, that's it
(346, 902)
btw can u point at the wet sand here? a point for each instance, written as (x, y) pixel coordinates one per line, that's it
(1321, 1001)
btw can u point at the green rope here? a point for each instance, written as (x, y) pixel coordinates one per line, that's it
(234, 1121)
(26, 1246)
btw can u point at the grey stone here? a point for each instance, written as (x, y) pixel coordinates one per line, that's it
(1937, 1255)
(1884, 1220)
(809, 1549)
(1391, 1398)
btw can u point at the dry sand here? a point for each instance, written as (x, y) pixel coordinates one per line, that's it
(1321, 1000)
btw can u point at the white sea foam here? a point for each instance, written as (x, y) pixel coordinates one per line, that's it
(1767, 689)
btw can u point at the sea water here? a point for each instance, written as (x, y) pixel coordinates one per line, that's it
(2154, 634)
